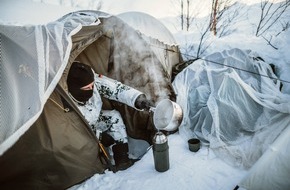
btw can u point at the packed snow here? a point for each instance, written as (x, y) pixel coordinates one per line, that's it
(188, 170)
(202, 170)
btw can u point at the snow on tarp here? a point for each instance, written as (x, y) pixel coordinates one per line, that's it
(159, 38)
(238, 112)
(272, 170)
(148, 25)
(29, 81)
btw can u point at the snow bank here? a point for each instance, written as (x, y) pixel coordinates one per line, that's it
(188, 170)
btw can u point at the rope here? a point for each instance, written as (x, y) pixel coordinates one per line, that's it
(64, 109)
(233, 67)
(244, 70)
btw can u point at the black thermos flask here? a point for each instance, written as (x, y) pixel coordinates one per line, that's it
(160, 152)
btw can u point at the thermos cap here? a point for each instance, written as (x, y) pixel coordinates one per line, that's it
(159, 138)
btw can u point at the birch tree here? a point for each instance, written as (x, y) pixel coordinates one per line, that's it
(219, 7)
(271, 12)
(186, 12)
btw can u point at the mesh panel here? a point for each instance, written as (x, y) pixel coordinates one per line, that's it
(19, 83)
(33, 59)
(239, 114)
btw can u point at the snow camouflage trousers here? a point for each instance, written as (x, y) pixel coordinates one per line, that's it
(111, 122)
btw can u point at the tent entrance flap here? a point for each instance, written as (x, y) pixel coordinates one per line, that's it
(57, 151)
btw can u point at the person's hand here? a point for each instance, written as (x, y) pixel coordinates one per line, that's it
(143, 103)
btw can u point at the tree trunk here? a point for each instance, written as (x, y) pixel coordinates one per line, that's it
(187, 16)
(214, 19)
(181, 15)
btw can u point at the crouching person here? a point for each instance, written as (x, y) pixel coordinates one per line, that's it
(86, 88)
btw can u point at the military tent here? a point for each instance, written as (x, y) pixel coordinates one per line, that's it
(44, 141)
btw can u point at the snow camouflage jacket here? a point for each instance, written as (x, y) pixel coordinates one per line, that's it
(111, 89)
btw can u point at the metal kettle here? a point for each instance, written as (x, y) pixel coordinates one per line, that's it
(167, 116)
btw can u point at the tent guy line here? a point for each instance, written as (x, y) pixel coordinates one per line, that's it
(215, 62)
(245, 70)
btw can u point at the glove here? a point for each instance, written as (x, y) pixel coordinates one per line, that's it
(106, 139)
(143, 103)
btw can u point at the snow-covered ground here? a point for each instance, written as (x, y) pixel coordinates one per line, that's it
(202, 170)
(188, 170)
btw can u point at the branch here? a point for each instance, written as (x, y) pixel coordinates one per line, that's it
(269, 43)
(267, 19)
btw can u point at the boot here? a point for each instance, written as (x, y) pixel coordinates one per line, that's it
(121, 158)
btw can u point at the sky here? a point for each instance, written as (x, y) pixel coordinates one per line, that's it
(158, 9)
(109, 6)
(151, 7)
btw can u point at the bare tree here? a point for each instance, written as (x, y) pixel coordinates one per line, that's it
(189, 16)
(185, 12)
(269, 42)
(270, 14)
(214, 16)
(202, 42)
(285, 26)
(235, 13)
(179, 11)
(219, 7)
(181, 14)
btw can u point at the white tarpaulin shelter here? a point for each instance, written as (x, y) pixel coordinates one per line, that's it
(233, 103)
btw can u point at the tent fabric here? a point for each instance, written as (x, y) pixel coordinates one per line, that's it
(67, 39)
(122, 54)
(232, 103)
(148, 25)
(56, 152)
(160, 39)
(52, 148)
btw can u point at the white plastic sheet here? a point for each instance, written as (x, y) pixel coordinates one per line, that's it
(272, 170)
(232, 102)
(32, 61)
